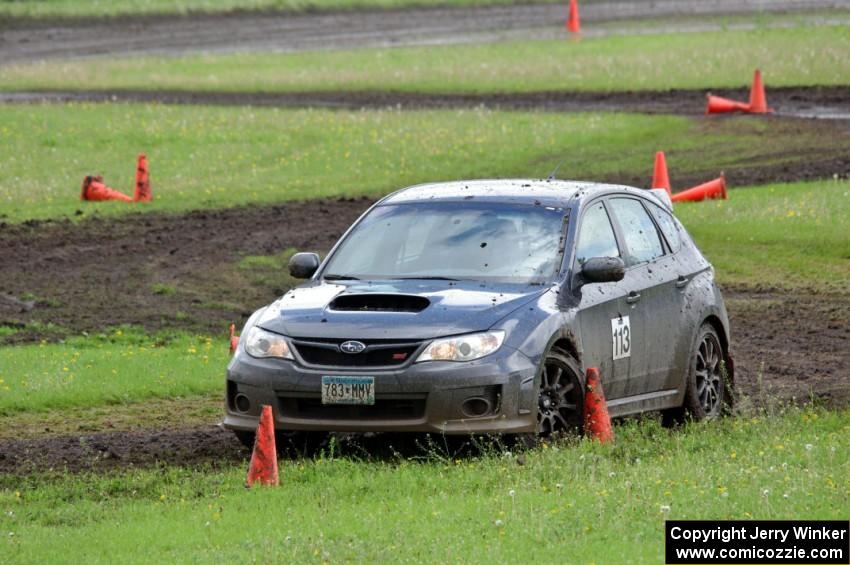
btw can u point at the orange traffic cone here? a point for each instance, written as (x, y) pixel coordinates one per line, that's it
(264, 459)
(95, 190)
(234, 339)
(143, 185)
(597, 422)
(573, 21)
(712, 189)
(660, 178)
(718, 105)
(758, 98)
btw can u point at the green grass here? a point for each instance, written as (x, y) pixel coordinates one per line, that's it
(796, 56)
(120, 367)
(151, 413)
(791, 235)
(202, 157)
(111, 8)
(208, 157)
(579, 502)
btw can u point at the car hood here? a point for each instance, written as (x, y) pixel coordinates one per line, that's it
(410, 309)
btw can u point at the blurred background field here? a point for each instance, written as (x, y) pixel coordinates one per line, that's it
(717, 59)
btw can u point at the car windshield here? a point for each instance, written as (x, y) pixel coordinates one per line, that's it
(453, 240)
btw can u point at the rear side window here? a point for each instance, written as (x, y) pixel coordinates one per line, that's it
(641, 237)
(668, 226)
(596, 236)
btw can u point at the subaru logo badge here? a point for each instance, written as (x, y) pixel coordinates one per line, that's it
(352, 347)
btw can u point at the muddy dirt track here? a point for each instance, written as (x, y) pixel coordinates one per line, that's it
(30, 40)
(99, 273)
(827, 102)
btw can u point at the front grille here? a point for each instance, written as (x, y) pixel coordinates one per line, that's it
(383, 409)
(378, 353)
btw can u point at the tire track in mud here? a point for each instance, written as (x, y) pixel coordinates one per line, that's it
(826, 102)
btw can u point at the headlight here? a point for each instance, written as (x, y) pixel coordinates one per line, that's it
(463, 348)
(260, 343)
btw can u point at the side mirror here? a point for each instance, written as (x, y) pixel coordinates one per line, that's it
(603, 269)
(303, 265)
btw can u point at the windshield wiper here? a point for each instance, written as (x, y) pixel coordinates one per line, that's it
(333, 277)
(424, 279)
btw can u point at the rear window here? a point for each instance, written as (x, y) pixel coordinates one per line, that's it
(642, 240)
(668, 226)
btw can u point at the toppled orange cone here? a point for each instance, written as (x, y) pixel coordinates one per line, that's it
(234, 339)
(263, 467)
(573, 24)
(718, 105)
(711, 190)
(660, 178)
(597, 421)
(756, 105)
(758, 98)
(94, 190)
(143, 185)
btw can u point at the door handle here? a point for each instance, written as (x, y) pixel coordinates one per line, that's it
(633, 297)
(681, 282)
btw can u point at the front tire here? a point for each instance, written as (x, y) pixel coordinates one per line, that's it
(560, 399)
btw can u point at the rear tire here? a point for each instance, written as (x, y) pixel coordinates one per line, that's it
(705, 386)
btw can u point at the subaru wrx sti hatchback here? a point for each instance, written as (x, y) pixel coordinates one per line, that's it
(476, 306)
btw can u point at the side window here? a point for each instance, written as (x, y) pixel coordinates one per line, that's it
(596, 236)
(641, 237)
(668, 226)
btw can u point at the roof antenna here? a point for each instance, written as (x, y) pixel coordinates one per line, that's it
(551, 176)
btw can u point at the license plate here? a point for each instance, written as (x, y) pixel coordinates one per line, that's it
(348, 390)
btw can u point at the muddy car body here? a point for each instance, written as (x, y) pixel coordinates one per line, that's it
(474, 307)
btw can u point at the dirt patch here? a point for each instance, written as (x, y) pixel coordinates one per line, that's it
(107, 272)
(195, 446)
(28, 40)
(829, 102)
(790, 347)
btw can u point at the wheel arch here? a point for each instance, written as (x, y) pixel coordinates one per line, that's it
(567, 344)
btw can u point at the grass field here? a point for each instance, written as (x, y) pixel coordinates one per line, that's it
(205, 157)
(604, 503)
(797, 56)
(118, 367)
(111, 8)
(793, 235)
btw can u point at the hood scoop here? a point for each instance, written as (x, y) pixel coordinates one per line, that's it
(379, 303)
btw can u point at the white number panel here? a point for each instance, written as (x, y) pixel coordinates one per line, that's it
(621, 333)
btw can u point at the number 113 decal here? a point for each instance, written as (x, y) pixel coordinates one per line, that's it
(622, 336)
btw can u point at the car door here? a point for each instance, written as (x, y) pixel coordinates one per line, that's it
(650, 286)
(685, 271)
(602, 305)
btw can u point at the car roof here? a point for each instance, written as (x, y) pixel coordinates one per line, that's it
(558, 193)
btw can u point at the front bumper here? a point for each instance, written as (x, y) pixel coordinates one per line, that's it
(423, 397)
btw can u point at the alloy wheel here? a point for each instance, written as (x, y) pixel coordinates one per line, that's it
(559, 400)
(709, 378)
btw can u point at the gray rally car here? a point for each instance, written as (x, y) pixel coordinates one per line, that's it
(474, 306)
